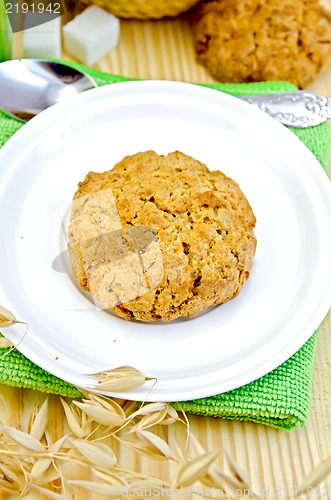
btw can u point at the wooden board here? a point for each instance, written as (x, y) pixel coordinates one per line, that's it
(273, 459)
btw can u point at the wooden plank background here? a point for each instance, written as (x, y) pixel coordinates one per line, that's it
(272, 458)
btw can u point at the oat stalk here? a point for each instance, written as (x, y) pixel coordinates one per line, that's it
(8, 319)
(316, 476)
(31, 461)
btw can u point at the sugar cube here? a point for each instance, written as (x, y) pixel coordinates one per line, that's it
(43, 40)
(91, 34)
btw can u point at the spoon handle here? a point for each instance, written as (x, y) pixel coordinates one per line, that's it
(298, 109)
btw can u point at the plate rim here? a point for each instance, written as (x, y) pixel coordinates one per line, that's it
(320, 174)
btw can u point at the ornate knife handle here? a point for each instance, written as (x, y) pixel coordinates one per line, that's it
(299, 109)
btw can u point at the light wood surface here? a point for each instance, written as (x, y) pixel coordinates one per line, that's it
(272, 458)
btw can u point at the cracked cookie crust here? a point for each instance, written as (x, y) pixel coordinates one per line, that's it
(199, 222)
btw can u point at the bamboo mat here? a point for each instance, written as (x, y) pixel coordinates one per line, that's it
(273, 459)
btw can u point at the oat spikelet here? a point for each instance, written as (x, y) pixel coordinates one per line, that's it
(168, 421)
(48, 437)
(7, 459)
(208, 481)
(86, 425)
(128, 407)
(72, 420)
(150, 420)
(23, 439)
(6, 318)
(122, 379)
(14, 475)
(100, 415)
(198, 448)
(156, 441)
(41, 466)
(39, 425)
(108, 490)
(181, 453)
(218, 478)
(107, 403)
(50, 475)
(153, 414)
(8, 486)
(33, 410)
(98, 454)
(172, 412)
(238, 472)
(144, 448)
(48, 493)
(148, 409)
(190, 472)
(5, 343)
(186, 421)
(171, 416)
(110, 478)
(316, 476)
(54, 472)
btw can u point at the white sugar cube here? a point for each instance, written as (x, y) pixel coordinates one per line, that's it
(43, 40)
(91, 35)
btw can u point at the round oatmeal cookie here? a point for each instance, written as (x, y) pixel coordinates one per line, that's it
(161, 237)
(260, 40)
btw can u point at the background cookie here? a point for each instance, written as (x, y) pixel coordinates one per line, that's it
(192, 237)
(259, 40)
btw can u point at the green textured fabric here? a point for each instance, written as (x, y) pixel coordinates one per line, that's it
(280, 398)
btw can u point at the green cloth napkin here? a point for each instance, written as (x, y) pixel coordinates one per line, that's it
(280, 398)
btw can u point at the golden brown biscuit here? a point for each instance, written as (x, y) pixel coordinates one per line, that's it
(260, 40)
(180, 239)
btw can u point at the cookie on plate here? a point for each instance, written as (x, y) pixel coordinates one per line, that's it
(161, 237)
(260, 40)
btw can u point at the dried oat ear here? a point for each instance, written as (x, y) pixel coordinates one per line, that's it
(121, 379)
(6, 318)
(4, 343)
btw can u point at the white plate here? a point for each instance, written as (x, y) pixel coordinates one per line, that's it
(280, 306)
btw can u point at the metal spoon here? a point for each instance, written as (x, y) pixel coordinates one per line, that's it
(28, 86)
(300, 109)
